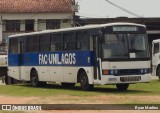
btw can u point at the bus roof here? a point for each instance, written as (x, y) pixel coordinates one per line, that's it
(75, 28)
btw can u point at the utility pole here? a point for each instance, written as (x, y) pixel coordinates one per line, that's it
(75, 9)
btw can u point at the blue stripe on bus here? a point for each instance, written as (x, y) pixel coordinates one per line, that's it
(78, 58)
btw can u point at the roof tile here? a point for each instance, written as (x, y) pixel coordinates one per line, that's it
(20, 6)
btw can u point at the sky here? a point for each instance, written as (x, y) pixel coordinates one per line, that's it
(102, 9)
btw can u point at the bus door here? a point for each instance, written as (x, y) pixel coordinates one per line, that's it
(21, 51)
(155, 56)
(97, 62)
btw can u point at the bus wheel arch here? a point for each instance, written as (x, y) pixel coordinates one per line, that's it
(34, 78)
(82, 78)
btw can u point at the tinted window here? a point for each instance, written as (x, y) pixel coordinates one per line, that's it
(82, 42)
(69, 41)
(12, 25)
(44, 41)
(52, 24)
(156, 48)
(56, 42)
(13, 46)
(32, 44)
(29, 25)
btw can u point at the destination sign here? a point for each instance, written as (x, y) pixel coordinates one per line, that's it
(125, 28)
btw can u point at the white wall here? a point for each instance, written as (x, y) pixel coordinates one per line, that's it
(41, 17)
(24, 16)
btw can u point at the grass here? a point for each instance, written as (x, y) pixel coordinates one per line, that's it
(152, 88)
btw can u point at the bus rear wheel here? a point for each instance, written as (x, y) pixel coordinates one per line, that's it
(84, 82)
(34, 79)
(9, 80)
(122, 87)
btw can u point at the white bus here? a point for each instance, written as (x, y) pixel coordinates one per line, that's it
(156, 58)
(3, 64)
(115, 53)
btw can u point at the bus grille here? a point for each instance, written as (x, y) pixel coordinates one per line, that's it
(131, 78)
(129, 72)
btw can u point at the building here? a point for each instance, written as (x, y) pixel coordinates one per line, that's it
(21, 16)
(152, 24)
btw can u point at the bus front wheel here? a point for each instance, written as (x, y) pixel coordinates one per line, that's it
(122, 87)
(84, 82)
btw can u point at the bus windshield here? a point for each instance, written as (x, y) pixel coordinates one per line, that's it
(125, 46)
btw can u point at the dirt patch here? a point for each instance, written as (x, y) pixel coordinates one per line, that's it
(17, 100)
(102, 99)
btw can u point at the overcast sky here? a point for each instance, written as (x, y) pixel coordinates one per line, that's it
(101, 8)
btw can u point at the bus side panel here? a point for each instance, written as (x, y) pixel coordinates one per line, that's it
(25, 73)
(81, 59)
(56, 73)
(70, 74)
(44, 73)
(13, 71)
(13, 66)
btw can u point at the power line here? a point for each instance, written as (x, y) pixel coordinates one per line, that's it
(123, 9)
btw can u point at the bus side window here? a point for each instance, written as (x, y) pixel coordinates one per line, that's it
(32, 44)
(56, 42)
(156, 48)
(13, 48)
(82, 41)
(69, 41)
(44, 41)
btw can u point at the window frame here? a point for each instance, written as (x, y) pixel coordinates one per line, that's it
(158, 48)
(13, 48)
(68, 42)
(12, 25)
(56, 42)
(52, 24)
(33, 47)
(82, 38)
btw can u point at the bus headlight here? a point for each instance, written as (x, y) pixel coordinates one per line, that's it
(110, 72)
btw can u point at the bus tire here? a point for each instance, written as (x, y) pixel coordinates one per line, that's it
(9, 80)
(122, 87)
(67, 85)
(84, 83)
(6, 80)
(158, 72)
(34, 79)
